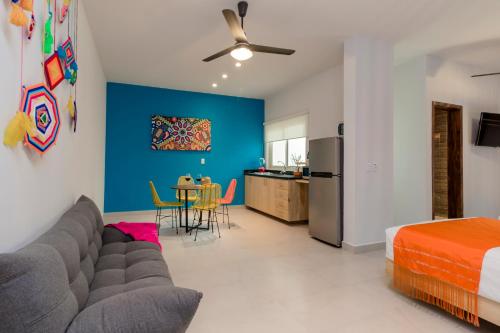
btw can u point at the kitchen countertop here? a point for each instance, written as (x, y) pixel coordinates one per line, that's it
(268, 174)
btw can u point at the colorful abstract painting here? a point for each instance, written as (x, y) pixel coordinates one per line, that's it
(174, 133)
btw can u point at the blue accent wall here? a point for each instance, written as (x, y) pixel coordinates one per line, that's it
(237, 143)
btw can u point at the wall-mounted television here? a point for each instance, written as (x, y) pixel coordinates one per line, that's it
(488, 133)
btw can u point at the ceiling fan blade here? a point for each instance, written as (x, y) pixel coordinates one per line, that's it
(270, 49)
(220, 54)
(488, 74)
(234, 26)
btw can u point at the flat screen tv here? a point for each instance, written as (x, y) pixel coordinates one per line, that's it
(488, 133)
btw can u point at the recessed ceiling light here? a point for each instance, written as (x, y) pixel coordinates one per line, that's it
(238, 64)
(224, 76)
(214, 85)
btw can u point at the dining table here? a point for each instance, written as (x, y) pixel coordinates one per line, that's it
(186, 188)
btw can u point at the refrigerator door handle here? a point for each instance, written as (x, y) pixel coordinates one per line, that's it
(322, 174)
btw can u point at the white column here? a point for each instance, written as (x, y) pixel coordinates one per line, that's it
(368, 149)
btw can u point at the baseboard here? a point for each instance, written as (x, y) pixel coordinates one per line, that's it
(136, 212)
(363, 247)
(110, 215)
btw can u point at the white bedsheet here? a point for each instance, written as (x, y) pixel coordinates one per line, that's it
(489, 285)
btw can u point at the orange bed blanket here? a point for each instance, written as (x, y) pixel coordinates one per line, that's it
(440, 263)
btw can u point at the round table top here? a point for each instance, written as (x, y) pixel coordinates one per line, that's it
(186, 187)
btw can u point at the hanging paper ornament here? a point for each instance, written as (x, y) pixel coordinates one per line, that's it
(73, 112)
(53, 71)
(48, 38)
(17, 15)
(41, 107)
(67, 55)
(31, 27)
(64, 10)
(74, 118)
(27, 5)
(17, 128)
(74, 77)
(71, 106)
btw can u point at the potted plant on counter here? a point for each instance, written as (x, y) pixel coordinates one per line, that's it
(297, 160)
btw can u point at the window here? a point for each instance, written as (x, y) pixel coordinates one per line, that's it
(278, 152)
(296, 149)
(286, 140)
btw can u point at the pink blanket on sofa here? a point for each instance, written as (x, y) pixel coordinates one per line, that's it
(139, 231)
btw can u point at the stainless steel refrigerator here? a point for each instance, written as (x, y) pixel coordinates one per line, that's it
(325, 190)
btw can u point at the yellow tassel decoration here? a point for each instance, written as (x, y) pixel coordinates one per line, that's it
(27, 5)
(17, 16)
(71, 106)
(17, 128)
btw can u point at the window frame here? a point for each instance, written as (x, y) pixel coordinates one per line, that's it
(285, 124)
(269, 155)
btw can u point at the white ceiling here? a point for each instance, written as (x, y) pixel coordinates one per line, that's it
(484, 56)
(161, 42)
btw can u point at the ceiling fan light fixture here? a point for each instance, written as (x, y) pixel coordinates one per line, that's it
(241, 53)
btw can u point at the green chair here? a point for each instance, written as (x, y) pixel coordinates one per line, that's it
(174, 207)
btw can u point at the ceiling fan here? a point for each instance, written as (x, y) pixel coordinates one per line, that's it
(242, 49)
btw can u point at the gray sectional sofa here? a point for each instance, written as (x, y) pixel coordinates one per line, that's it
(82, 277)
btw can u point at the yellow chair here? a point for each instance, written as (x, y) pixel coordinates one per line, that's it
(209, 201)
(174, 207)
(206, 180)
(192, 195)
(203, 181)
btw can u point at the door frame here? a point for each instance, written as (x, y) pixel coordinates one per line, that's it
(455, 115)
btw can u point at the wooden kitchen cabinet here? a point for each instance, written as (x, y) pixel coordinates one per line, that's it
(282, 198)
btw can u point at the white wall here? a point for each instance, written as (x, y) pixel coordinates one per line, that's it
(368, 140)
(321, 96)
(35, 190)
(448, 82)
(411, 158)
(451, 83)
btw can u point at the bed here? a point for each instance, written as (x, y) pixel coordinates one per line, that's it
(489, 283)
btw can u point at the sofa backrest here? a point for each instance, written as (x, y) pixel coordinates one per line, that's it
(44, 285)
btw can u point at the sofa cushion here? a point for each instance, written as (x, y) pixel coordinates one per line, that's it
(151, 309)
(123, 263)
(90, 206)
(127, 247)
(113, 235)
(106, 292)
(68, 249)
(34, 292)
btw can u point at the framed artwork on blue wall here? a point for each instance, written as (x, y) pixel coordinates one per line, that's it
(176, 133)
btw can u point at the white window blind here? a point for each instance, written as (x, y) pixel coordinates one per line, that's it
(290, 128)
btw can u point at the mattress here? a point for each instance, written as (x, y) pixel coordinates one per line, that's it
(489, 284)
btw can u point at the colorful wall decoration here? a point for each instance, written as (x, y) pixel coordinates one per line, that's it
(67, 57)
(53, 71)
(38, 120)
(175, 133)
(237, 142)
(40, 104)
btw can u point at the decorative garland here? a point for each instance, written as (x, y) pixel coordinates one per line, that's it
(31, 125)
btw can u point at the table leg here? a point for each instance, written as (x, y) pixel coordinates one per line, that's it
(186, 219)
(180, 209)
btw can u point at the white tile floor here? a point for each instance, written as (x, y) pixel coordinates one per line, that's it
(267, 276)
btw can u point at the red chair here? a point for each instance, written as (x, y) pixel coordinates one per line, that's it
(227, 200)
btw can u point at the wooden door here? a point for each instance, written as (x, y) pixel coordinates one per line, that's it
(447, 161)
